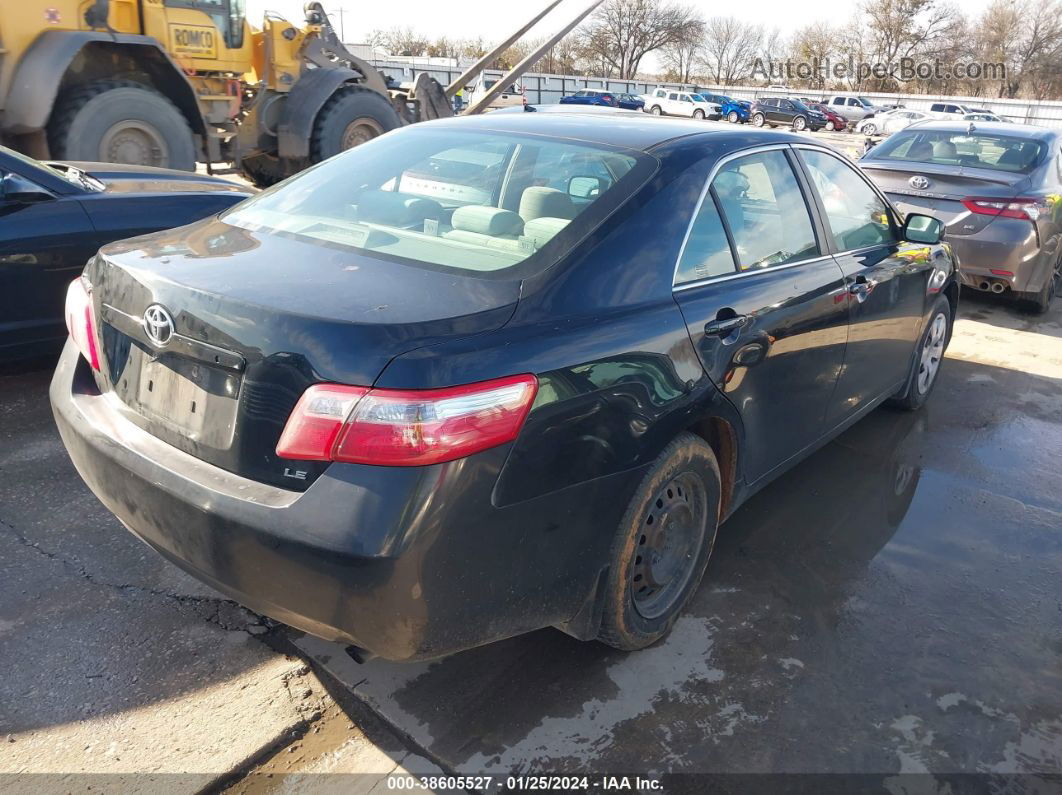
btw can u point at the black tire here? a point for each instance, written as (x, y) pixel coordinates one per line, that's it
(352, 115)
(680, 493)
(915, 391)
(758, 119)
(800, 123)
(870, 128)
(120, 121)
(698, 114)
(262, 171)
(656, 111)
(733, 117)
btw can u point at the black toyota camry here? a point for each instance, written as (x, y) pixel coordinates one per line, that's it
(486, 375)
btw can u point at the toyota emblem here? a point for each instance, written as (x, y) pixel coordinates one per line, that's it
(158, 325)
(918, 182)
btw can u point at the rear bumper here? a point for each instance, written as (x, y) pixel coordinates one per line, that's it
(1003, 247)
(408, 563)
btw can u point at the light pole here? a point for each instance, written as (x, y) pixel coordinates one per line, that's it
(342, 28)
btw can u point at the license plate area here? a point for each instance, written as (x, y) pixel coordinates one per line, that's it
(194, 399)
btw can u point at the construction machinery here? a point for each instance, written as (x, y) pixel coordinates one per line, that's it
(172, 82)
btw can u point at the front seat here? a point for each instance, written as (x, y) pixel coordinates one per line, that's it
(541, 202)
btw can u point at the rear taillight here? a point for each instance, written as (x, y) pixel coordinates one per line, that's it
(80, 323)
(1022, 209)
(393, 427)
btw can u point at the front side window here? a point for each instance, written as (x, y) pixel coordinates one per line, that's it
(765, 211)
(672, 96)
(466, 200)
(857, 216)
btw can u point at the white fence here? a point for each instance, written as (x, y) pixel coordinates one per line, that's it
(543, 89)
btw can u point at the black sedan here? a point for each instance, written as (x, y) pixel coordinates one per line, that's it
(486, 375)
(55, 216)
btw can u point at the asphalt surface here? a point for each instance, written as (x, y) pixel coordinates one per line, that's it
(891, 605)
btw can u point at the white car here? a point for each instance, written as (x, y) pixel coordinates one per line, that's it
(669, 102)
(852, 108)
(890, 121)
(513, 95)
(953, 111)
(983, 116)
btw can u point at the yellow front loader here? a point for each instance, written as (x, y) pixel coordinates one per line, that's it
(172, 82)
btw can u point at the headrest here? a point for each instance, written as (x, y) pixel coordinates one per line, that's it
(923, 150)
(395, 209)
(538, 202)
(487, 220)
(541, 230)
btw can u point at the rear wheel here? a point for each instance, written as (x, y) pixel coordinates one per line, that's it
(928, 356)
(758, 120)
(698, 114)
(120, 121)
(352, 116)
(732, 117)
(662, 545)
(656, 111)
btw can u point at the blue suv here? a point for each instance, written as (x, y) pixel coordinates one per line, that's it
(735, 111)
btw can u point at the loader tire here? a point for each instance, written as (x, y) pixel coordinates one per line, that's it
(352, 116)
(120, 121)
(262, 171)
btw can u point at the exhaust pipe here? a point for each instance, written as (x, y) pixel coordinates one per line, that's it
(984, 285)
(997, 287)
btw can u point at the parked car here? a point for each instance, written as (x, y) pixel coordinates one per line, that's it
(418, 425)
(890, 121)
(630, 102)
(834, 120)
(953, 110)
(665, 102)
(997, 190)
(53, 218)
(591, 96)
(985, 116)
(513, 95)
(733, 110)
(852, 108)
(775, 111)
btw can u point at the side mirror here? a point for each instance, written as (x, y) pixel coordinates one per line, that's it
(923, 229)
(19, 190)
(584, 187)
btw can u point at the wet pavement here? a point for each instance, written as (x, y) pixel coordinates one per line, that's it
(893, 604)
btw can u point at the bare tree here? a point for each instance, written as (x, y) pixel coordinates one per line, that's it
(621, 32)
(400, 41)
(730, 47)
(682, 57)
(901, 29)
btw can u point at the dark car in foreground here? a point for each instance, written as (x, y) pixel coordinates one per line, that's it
(55, 216)
(486, 375)
(775, 111)
(996, 187)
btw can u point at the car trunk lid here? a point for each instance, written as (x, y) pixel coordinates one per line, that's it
(249, 320)
(944, 189)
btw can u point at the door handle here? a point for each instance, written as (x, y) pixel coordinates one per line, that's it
(721, 327)
(861, 287)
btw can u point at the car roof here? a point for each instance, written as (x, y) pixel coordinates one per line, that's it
(628, 129)
(1003, 128)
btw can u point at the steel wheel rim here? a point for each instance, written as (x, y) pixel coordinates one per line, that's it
(870, 129)
(668, 545)
(932, 353)
(134, 143)
(359, 131)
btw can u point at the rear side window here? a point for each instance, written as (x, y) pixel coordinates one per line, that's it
(838, 101)
(857, 216)
(765, 211)
(707, 251)
(465, 200)
(976, 150)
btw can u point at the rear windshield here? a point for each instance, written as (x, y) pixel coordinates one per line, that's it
(970, 150)
(473, 201)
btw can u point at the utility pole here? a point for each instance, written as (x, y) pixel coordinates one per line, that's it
(342, 28)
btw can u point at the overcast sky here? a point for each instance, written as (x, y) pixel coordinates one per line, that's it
(494, 19)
